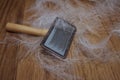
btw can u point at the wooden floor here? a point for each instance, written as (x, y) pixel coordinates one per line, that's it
(28, 69)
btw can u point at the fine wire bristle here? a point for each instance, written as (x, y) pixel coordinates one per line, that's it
(59, 37)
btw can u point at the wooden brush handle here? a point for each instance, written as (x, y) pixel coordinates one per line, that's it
(25, 29)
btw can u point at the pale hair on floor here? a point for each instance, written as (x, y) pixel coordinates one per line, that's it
(92, 19)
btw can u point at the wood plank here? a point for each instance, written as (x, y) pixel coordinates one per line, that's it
(10, 11)
(28, 68)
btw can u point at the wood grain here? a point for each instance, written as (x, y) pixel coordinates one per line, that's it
(28, 69)
(10, 11)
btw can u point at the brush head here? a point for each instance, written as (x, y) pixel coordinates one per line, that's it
(59, 38)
